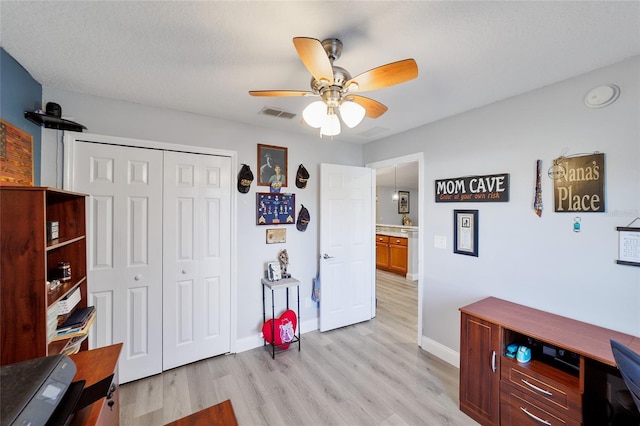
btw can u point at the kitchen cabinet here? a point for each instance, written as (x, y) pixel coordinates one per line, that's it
(398, 255)
(391, 254)
(382, 252)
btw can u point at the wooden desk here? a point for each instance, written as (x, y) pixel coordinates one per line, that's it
(635, 344)
(218, 415)
(588, 340)
(94, 366)
(494, 388)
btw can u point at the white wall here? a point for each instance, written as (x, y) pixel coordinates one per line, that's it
(387, 208)
(122, 119)
(536, 261)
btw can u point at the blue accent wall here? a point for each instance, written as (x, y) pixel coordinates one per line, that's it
(19, 92)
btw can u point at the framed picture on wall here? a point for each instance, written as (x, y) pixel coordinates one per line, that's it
(403, 202)
(272, 166)
(465, 232)
(16, 155)
(275, 209)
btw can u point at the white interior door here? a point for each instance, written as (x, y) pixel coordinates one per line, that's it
(347, 249)
(197, 266)
(124, 250)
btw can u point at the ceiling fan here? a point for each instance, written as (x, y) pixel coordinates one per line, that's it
(335, 86)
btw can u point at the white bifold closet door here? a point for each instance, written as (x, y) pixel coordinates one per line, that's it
(197, 238)
(159, 246)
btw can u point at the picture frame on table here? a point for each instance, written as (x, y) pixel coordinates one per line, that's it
(270, 157)
(274, 272)
(403, 202)
(465, 232)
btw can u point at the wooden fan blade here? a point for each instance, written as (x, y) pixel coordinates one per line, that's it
(374, 108)
(314, 57)
(279, 93)
(385, 75)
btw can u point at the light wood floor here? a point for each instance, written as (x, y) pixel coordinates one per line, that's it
(371, 373)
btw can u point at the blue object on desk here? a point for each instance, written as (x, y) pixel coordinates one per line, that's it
(511, 351)
(524, 354)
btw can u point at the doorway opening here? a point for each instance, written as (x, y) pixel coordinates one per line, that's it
(401, 174)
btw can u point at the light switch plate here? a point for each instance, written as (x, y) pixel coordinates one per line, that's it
(440, 241)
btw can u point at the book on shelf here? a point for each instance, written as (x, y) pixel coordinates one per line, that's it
(77, 319)
(80, 330)
(69, 302)
(73, 345)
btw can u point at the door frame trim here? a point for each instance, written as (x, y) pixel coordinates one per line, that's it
(419, 157)
(70, 138)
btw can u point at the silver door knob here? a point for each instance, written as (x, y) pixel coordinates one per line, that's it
(137, 277)
(326, 256)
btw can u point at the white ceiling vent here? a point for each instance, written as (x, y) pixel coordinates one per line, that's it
(275, 112)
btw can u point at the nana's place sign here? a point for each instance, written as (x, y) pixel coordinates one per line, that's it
(578, 184)
(489, 188)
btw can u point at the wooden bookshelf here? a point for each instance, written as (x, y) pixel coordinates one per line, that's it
(28, 261)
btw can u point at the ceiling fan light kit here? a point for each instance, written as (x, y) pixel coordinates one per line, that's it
(335, 86)
(352, 114)
(331, 124)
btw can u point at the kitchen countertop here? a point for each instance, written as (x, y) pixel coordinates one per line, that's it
(397, 231)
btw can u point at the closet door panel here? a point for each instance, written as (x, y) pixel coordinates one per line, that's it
(125, 250)
(197, 226)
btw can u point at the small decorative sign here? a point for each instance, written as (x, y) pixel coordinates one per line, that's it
(629, 246)
(578, 184)
(276, 235)
(489, 188)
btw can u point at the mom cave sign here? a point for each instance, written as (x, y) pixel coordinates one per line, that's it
(487, 188)
(578, 184)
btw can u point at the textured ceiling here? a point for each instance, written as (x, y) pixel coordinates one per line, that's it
(203, 57)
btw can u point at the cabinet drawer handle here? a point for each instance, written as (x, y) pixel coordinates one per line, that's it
(546, 392)
(534, 417)
(493, 361)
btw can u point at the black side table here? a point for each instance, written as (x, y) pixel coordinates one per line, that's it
(285, 283)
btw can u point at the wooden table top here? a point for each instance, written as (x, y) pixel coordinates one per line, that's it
(585, 339)
(218, 415)
(94, 366)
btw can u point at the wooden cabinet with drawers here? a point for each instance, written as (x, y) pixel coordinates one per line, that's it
(382, 252)
(536, 387)
(564, 383)
(392, 254)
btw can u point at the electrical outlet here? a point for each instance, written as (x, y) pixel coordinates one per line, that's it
(440, 241)
(307, 302)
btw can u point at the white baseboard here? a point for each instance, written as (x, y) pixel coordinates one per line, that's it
(412, 277)
(443, 352)
(256, 340)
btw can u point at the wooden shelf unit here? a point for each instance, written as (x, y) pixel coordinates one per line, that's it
(498, 390)
(28, 261)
